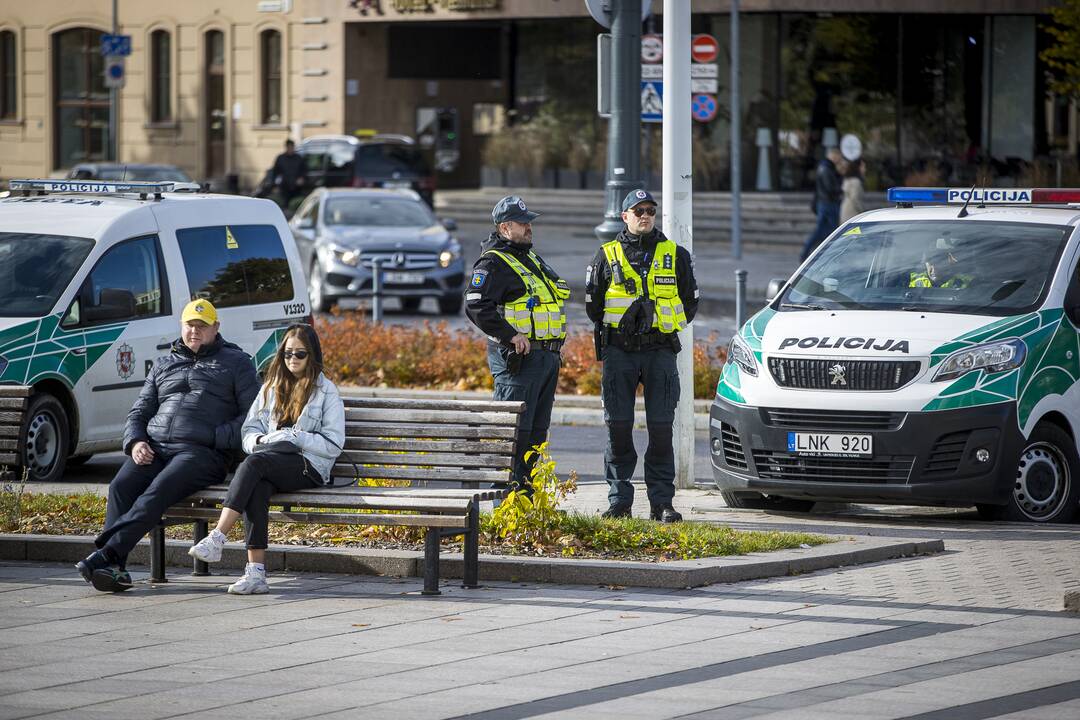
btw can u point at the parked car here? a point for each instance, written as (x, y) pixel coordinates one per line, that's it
(130, 172)
(340, 232)
(381, 161)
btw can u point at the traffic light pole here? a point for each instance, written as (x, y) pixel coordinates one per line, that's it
(114, 97)
(624, 128)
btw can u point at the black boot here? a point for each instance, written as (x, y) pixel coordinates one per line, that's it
(111, 580)
(665, 514)
(617, 511)
(94, 561)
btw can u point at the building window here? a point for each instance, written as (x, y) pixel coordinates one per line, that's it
(160, 77)
(81, 109)
(8, 104)
(270, 42)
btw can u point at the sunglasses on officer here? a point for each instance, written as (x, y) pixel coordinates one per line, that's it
(298, 354)
(649, 210)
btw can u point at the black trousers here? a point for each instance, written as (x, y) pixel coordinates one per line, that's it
(140, 494)
(258, 477)
(534, 384)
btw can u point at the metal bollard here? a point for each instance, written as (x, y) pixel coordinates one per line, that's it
(740, 298)
(376, 290)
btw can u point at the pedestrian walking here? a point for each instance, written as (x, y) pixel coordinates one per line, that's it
(180, 436)
(640, 291)
(517, 300)
(853, 187)
(289, 175)
(293, 433)
(828, 192)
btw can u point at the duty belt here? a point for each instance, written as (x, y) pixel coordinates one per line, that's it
(644, 341)
(552, 345)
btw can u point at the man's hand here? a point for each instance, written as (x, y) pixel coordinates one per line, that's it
(141, 453)
(521, 344)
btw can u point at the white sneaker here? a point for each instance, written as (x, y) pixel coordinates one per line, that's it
(209, 548)
(252, 583)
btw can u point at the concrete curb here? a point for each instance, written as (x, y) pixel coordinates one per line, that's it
(677, 574)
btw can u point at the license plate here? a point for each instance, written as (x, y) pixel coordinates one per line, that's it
(395, 184)
(400, 278)
(830, 444)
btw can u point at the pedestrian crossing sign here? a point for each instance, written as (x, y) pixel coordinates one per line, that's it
(652, 101)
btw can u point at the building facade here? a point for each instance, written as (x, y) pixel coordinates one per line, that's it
(935, 91)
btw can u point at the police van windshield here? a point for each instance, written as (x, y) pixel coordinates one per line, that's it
(971, 267)
(377, 212)
(35, 269)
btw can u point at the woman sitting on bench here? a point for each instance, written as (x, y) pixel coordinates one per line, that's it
(293, 434)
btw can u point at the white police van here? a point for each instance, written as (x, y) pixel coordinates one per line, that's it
(93, 277)
(927, 353)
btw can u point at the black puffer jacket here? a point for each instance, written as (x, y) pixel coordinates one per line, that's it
(194, 399)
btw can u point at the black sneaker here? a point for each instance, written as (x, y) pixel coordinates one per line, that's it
(111, 580)
(94, 561)
(665, 514)
(617, 511)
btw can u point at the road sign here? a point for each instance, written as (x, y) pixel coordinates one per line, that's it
(652, 101)
(601, 11)
(116, 45)
(652, 72)
(851, 147)
(698, 70)
(704, 48)
(652, 48)
(114, 71)
(703, 107)
(703, 85)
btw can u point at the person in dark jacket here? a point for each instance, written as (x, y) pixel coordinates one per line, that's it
(517, 300)
(640, 290)
(828, 193)
(179, 435)
(289, 174)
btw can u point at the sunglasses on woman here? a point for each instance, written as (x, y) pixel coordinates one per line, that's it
(298, 354)
(650, 211)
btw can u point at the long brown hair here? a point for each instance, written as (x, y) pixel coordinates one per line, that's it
(291, 393)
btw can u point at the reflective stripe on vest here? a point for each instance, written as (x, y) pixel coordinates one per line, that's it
(662, 287)
(545, 319)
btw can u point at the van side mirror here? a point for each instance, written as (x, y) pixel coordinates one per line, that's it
(774, 288)
(116, 304)
(306, 223)
(449, 224)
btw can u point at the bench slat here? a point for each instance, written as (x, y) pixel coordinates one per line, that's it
(9, 443)
(477, 494)
(12, 403)
(454, 460)
(10, 459)
(355, 500)
(429, 416)
(493, 432)
(435, 404)
(10, 431)
(407, 473)
(451, 446)
(15, 390)
(448, 521)
(11, 417)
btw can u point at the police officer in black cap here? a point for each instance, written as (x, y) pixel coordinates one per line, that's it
(517, 300)
(640, 291)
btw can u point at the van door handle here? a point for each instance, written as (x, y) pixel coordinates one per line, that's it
(164, 346)
(78, 351)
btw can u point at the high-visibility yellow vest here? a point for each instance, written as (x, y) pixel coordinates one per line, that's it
(921, 279)
(538, 314)
(662, 287)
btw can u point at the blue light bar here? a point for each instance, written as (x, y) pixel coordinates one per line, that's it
(93, 187)
(918, 195)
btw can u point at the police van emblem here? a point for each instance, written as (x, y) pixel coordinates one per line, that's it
(838, 372)
(640, 194)
(125, 361)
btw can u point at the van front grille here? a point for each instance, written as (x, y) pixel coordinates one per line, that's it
(840, 374)
(774, 465)
(734, 455)
(832, 420)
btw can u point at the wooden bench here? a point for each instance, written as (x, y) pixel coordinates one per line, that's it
(14, 400)
(447, 456)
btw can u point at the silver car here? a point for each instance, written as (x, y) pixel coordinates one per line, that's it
(341, 232)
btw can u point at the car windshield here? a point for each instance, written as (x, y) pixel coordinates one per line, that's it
(143, 173)
(971, 267)
(377, 212)
(377, 160)
(35, 269)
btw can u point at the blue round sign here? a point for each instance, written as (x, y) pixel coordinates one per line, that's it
(703, 107)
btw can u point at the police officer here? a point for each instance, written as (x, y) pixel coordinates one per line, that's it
(517, 300)
(640, 291)
(943, 269)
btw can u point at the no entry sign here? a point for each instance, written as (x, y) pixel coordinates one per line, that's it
(704, 48)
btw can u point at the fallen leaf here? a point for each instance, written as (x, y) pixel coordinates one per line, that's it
(361, 624)
(450, 619)
(629, 617)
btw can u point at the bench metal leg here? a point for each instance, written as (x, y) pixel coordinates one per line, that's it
(471, 549)
(157, 555)
(201, 529)
(431, 562)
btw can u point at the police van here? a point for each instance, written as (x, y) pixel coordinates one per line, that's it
(93, 277)
(928, 353)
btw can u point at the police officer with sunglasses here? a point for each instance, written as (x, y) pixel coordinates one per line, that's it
(640, 291)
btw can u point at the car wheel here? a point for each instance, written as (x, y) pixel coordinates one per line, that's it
(411, 304)
(1047, 473)
(45, 439)
(757, 501)
(450, 305)
(317, 290)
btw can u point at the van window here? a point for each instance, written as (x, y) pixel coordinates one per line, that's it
(35, 270)
(232, 265)
(125, 284)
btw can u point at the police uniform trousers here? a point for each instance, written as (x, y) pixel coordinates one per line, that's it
(534, 384)
(657, 370)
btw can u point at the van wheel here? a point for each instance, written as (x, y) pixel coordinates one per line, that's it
(45, 439)
(316, 290)
(757, 501)
(1047, 473)
(451, 305)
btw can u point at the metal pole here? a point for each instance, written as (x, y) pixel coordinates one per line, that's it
(624, 128)
(376, 290)
(740, 299)
(736, 139)
(114, 97)
(678, 206)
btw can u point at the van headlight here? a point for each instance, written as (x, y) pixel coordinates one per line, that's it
(450, 254)
(741, 355)
(992, 357)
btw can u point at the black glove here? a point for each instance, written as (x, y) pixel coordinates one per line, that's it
(629, 322)
(645, 316)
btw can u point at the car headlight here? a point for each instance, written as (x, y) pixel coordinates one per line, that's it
(349, 256)
(992, 357)
(742, 356)
(450, 254)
